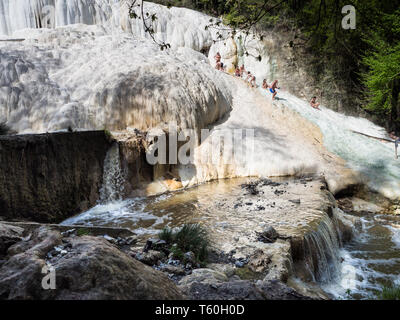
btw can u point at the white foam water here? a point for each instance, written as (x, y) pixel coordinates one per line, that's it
(371, 158)
(370, 261)
(113, 179)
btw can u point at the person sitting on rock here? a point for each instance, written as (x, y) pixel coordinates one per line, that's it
(249, 75)
(265, 84)
(217, 58)
(273, 88)
(242, 70)
(220, 66)
(253, 82)
(237, 72)
(314, 103)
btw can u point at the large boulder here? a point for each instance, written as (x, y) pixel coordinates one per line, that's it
(241, 290)
(90, 268)
(208, 284)
(8, 236)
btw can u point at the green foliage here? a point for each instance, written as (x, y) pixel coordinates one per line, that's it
(82, 232)
(109, 136)
(246, 273)
(390, 293)
(177, 252)
(107, 133)
(382, 76)
(361, 62)
(167, 235)
(190, 237)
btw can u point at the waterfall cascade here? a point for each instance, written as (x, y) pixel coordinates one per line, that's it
(113, 178)
(103, 72)
(321, 250)
(133, 84)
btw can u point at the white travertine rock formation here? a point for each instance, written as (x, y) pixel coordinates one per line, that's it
(95, 68)
(80, 76)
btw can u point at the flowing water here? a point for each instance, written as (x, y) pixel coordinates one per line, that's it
(148, 215)
(372, 158)
(358, 270)
(113, 179)
(370, 261)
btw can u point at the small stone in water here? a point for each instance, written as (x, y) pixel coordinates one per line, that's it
(240, 263)
(189, 256)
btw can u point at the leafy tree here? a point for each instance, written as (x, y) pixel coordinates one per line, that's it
(363, 62)
(382, 77)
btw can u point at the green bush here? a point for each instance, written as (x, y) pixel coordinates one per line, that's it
(190, 237)
(82, 232)
(167, 235)
(390, 293)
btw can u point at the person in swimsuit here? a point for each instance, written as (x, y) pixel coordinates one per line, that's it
(265, 84)
(248, 78)
(253, 82)
(217, 57)
(314, 103)
(218, 63)
(237, 72)
(242, 70)
(273, 88)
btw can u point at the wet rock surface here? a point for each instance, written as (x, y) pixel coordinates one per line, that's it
(256, 234)
(9, 235)
(240, 290)
(86, 267)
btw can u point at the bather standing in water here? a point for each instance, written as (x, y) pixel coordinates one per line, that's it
(273, 88)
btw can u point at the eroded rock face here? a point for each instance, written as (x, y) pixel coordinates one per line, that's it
(240, 290)
(92, 268)
(8, 236)
(49, 177)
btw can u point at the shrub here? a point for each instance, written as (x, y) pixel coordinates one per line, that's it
(190, 237)
(390, 293)
(167, 235)
(82, 232)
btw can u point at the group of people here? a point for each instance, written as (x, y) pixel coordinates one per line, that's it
(240, 72)
(219, 65)
(251, 79)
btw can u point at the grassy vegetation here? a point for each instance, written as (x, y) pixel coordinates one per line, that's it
(190, 237)
(82, 232)
(246, 273)
(390, 293)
